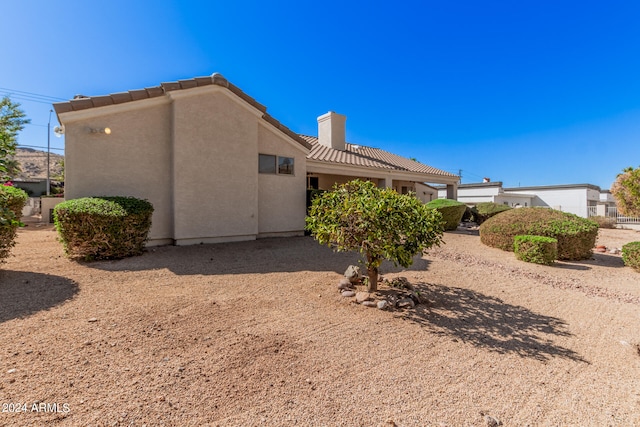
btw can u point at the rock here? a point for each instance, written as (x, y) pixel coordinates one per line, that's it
(418, 298)
(601, 249)
(352, 273)
(369, 304)
(362, 297)
(614, 251)
(405, 302)
(345, 284)
(11, 371)
(491, 421)
(348, 294)
(383, 305)
(93, 319)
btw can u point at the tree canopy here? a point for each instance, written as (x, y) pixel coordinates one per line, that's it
(379, 223)
(626, 190)
(12, 121)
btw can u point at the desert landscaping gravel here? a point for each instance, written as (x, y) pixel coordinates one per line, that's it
(258, 333)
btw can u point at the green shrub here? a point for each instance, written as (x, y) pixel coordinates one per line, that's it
(536, 249)
(451, 211)
(485, 210)
(604, 221)
(631, 255)
(94, 228)
(12, 200)
(576, 236)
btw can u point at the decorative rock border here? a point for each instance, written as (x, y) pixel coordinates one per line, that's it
(400, 295)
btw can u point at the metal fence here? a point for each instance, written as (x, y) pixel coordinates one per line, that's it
(612, 212)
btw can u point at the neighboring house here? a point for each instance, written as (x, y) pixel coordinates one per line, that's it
(35, 187)
(213, 163)
(584, 200)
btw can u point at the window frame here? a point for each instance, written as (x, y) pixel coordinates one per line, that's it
(276, 165)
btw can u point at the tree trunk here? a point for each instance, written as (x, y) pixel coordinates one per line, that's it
(373, 279)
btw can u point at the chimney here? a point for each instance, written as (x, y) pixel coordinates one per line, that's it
(332, 130)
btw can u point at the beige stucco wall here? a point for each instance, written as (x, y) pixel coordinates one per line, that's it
(282, 198)
(327, 181)
(134, 160)
(215, 166)
(193, 154)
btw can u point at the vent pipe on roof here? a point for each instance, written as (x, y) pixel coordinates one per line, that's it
(332, 130)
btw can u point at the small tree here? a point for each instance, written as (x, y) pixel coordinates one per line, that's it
(12, 121)
(379, 223)
(626, 190)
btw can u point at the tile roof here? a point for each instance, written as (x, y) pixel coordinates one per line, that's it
(81, 102)
(359, 155)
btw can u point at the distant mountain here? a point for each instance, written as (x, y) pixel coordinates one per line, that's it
(34, 164)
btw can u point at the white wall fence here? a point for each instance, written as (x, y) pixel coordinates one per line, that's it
(612, 212)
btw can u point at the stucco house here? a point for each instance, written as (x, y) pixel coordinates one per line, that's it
(584, 200)
(215, 165)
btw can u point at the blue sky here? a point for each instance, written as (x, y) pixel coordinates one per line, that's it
(527, 93)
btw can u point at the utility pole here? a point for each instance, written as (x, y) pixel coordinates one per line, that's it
(48, 154)
(460, 175)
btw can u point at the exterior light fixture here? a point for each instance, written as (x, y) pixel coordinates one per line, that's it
(106, 131)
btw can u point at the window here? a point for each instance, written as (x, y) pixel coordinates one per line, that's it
(268, 163)
(285, 165)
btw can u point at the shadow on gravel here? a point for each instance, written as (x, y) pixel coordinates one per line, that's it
(565, 265)
(25, 293)
(488, 322)
(277, 255)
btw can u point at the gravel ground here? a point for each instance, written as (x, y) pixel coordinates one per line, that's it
(256, 333)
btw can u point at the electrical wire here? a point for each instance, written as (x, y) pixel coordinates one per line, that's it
(29, 96)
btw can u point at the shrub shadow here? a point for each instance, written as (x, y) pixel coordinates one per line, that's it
(277, 255)
(565, 265)
(26, 293)
(599, 259)
(488, 322)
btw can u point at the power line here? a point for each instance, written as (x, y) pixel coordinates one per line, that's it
(31, 94)
(38, 146)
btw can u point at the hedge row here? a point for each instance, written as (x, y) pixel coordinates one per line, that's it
(12, 200)
(631, 255)
(451, 210)
(93, 228)
(576, 236)
(536, 249)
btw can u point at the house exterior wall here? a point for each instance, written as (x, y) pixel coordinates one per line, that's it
(514, 200)
(214, 165)
(281, 198)
(572, 200)
(425, 193)
(327, 181)
(472, 195)
(134, 160)
(193, 154)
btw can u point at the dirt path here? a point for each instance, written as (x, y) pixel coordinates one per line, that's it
(256, 333)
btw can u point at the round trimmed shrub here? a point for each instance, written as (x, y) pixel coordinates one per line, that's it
(536, 249)
(93, 228)
(485, 210)
(451, 211)
(576, 236)
(631, 255)
(12, 200)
